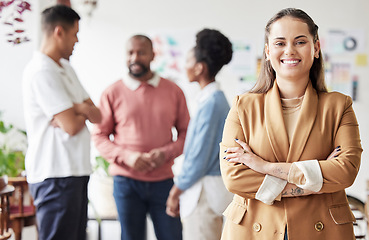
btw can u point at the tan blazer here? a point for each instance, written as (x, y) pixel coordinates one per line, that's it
(326, 121)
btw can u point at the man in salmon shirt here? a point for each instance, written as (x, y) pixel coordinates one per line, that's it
(139, 112)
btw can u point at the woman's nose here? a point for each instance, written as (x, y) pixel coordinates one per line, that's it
(290, 49)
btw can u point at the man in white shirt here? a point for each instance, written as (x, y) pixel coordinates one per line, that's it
(56, 108)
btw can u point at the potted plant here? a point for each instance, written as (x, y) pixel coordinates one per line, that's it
(13, 144)
(100, 192)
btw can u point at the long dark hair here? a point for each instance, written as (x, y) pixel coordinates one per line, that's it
(267, 74)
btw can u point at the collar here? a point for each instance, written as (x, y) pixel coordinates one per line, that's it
(133, 84)
(49, 61)
(207, 91)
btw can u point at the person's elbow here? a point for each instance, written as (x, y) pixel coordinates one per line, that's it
(73, 129)
(348, 177)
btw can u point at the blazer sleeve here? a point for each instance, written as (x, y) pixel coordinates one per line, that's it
(340, 172)
(238, 178)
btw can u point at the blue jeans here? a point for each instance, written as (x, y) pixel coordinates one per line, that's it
(135, 199)
(61, 205)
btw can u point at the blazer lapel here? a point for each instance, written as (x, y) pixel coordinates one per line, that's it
(275, 127)
(304, 124)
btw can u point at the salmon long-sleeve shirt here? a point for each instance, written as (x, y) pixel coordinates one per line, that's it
(139, 117)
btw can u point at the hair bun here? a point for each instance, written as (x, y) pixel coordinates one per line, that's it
(213, 48)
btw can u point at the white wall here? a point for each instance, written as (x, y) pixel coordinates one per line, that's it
(99, 56)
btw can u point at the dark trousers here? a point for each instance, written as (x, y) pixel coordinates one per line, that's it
(61, 205)
(135, 199)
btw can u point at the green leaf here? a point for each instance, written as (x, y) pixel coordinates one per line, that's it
(102, 163)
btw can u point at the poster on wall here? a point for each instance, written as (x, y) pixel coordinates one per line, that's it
(170, 53)
(171, 48)
(345, 41)
(244, 64)
(345, 49)
(339, 77)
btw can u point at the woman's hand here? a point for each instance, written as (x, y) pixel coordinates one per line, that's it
(172, 208)
(245, 156)
(336, 152)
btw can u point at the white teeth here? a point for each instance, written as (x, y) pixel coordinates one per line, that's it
(290, 61)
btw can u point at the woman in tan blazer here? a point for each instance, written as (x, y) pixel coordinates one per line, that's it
(289, 147)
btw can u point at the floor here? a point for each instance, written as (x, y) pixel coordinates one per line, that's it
(110, 230)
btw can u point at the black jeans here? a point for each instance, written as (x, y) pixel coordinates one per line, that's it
(61, 205)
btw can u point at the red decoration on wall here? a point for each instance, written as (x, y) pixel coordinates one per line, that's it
(14, 10)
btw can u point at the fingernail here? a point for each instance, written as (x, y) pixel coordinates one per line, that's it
(236, 139)
(336, 156)
(224, 158)
(225, 150)
(338, 149)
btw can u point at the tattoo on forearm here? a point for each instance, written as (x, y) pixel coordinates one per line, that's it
(297, 191)
(294, 192)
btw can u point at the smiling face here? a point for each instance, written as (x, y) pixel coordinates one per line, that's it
(291, 49)
(139, 57)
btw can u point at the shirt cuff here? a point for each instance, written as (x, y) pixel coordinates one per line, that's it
(306, 175)
(270, 189)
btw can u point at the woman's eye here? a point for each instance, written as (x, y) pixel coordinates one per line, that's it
(279, 43)
(300, 42)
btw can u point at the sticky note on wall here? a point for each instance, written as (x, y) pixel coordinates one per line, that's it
(361, 60)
